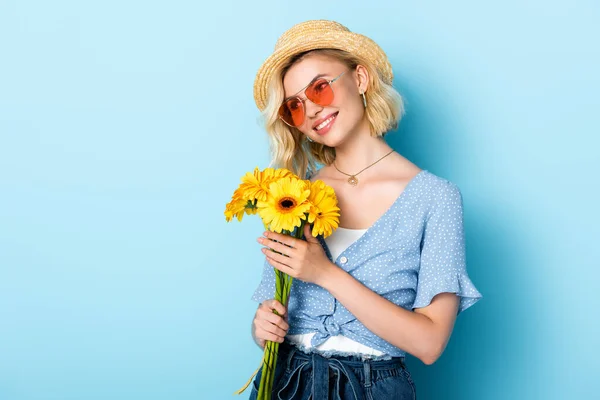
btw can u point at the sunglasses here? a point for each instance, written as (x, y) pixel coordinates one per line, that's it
(318, 91)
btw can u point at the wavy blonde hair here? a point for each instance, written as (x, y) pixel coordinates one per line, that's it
(289, 147)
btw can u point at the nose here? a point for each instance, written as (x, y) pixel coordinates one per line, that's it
(312, 109)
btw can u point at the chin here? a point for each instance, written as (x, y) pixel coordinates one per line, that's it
(335, 137)
(332, 141)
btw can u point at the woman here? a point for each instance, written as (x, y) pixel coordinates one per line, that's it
(392, 278)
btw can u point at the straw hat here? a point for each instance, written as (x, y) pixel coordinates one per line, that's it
(318, 34)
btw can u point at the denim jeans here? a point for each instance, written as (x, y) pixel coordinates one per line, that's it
(303, 376)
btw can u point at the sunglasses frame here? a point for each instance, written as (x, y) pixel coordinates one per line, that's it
(302, 101)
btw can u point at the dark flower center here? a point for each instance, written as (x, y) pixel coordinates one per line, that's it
(287, 203)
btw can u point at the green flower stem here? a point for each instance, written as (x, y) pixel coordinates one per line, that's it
(283, 288)
(271, 348)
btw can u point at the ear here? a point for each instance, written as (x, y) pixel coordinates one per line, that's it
(362, 78)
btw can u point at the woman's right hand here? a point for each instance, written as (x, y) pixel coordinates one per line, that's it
(268, 325)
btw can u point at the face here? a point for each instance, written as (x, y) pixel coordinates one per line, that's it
(329, 124)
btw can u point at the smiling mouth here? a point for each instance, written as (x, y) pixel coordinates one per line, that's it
(326, 122)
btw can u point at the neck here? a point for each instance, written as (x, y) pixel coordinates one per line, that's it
(360, 150)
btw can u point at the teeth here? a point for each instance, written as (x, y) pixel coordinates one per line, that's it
(322, 124)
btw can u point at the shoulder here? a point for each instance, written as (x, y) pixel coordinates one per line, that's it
(319, 173)
(440, 192)
(440, 186)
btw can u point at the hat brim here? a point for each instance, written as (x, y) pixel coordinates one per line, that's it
(354, 43)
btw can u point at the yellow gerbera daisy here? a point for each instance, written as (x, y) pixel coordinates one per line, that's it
(324, 211)
(255, 186)
(238, 206)
(286, 204)
(235, 208)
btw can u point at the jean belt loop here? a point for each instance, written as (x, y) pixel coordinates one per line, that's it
(367, 370)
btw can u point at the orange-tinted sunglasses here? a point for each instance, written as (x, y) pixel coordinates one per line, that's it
(319, 91)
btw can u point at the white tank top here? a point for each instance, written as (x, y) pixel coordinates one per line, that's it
(337, 242)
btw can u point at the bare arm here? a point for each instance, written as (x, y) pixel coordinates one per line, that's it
(423, 333)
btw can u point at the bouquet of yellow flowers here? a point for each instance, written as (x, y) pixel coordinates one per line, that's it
(285, 204)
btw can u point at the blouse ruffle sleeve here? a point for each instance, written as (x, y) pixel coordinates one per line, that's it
(443, 259)
(266, 287)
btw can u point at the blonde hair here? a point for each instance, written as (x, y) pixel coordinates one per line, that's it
(289, 147)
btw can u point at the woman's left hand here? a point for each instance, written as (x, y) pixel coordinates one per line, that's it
(304, 260)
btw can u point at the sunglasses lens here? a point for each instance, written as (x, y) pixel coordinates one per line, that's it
(320, 92)
(292, 112)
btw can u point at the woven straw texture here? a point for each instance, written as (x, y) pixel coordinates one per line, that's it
(318, 34)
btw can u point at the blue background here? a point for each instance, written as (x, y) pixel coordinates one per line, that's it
(126, 125)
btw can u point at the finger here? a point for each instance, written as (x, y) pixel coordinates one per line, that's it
(270, 306)
(284, 239)
(277, 306)
(264, 335)
(270, 328)
(278, 247)
(282, 323)
(281, 260)
(308, 234)
(279, 320)
(282, 267)
(269, 315)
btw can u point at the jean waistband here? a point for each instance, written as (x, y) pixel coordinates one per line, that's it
(320, 367)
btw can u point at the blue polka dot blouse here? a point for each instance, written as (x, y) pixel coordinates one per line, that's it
(413, 252)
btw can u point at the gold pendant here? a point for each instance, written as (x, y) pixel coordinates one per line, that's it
(353, 180)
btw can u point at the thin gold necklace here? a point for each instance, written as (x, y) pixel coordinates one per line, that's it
(353, 180)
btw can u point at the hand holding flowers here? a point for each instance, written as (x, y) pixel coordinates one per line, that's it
(287, 206)
(304, 260)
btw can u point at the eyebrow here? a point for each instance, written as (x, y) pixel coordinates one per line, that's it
(311, 81)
